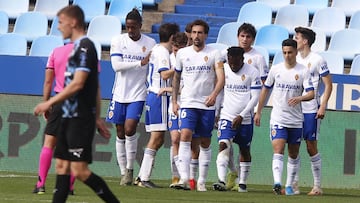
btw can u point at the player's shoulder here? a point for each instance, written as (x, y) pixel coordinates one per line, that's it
(148, 39)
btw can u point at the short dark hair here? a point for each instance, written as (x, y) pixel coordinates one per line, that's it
(179, 39)
(75, 12)
(134, 14)
(289, 42)
(166, 30)
(235, 51)
(247, 28)
(188, 27)
(307, 34)
(201, 23)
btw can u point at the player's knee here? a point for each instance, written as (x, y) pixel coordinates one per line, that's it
(224, 152)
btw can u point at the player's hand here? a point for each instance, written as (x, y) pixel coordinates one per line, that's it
(47, 114)
(41, 108)
(161, 92)
(176, 108)
(210, 100)
(257, 119)
(236, 122)
(146, 59)
(294, 101)
(320, 113)
(102, 128)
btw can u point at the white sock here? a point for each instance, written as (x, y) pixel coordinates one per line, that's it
(204, 164)
(232, 165)
(222, 162)
(244, 172)
(277, 167)
(131, 149)
(316, 169)
(174, 170)
(147, 164)
(121, 154)
(184, 160)
(296, 178)
(176, 166)
(194, 167)
(292, 167)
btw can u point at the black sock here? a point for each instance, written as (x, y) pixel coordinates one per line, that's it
(99, 186)
(61, 188)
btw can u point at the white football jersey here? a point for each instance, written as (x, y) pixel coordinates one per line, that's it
(255, 58)
(159, 61)
(130, 84)
(198, 74)
(286, 84)
(318, 68)
(237, 92)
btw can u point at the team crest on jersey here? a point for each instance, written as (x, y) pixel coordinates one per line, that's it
(206, 58)
(164, 62)
(243, 77)
(143, 49)
(170, 124)
(110, 114)
(273, 132)
(296, 77)
(249, 61)
(309, 65)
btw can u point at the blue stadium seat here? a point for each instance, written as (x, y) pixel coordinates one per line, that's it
(271, 37)
(50, 8)
(228, 34)
(98, 47)
(14, 8)
(4, 22)
(320, 40)
(355, 66)
(348, 6)
(31, 25)
(43, 45)
(256, 13)
(334, 61)
(292, 16)
(103, 29)
(329, 19)
(54, 27)
(263, 52)
(346, 42)
(275, 4)
(95, 8)
(13, 44)
(120, 8)
(278, 58)
(312, 5)
(355, 21)
(207, 10)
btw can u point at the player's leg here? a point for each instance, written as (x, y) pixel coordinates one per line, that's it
(133, 114)
(173, 126)
(294, 136)
(194, 163)
(278, 135)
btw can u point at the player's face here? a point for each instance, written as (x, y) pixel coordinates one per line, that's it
(176, 47)
(245, 40)
(65, 25)
(289, 54)
(133, 29)
(300, 41)
(235, 62)
(198, 35)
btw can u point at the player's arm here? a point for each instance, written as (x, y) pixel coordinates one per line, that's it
(118, 64)
(326, 95)
(166, 74)
(262, 99)
(100, 124)
(219, 85)
(74, 86)
(175, 91)
(48, 82)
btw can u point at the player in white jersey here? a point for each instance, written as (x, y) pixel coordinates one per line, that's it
(157, 105)
(241, 93)
(130, 54)
(288, 81)
(314, 110)
(246, 36)
(203, 77)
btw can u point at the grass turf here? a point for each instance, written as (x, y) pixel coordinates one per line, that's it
(17, 187)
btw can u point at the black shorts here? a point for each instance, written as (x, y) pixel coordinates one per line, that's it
(54, 120)
(74, 142)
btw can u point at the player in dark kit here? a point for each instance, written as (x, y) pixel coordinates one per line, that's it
(81, 108)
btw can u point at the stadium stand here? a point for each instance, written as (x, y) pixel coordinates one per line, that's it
(275, 4)
(346, 42)
(120, 8)
(355, 21)
(256, 13)
(43, 45)
(95, 8)
(4, 22)
(355, 66)
(312, 5)
(228, 34)
(31, 25)
(329, 19)
(14, 8)
(103, 28)
(276, 34)
(50, 8)
(291, 16)
(278, 58)
(320, 40)
(53, 27)
(348, 6)
(13, 44)
(263, 52)
(219, 46)
(334, 61)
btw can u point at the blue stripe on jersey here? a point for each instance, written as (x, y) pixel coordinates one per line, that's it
(325, 73)
(256, 87)
(309, 89)
(162, 69)
(117, 54)
(269, 87)
(263, 78)
(151, 66)
(179, 71)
